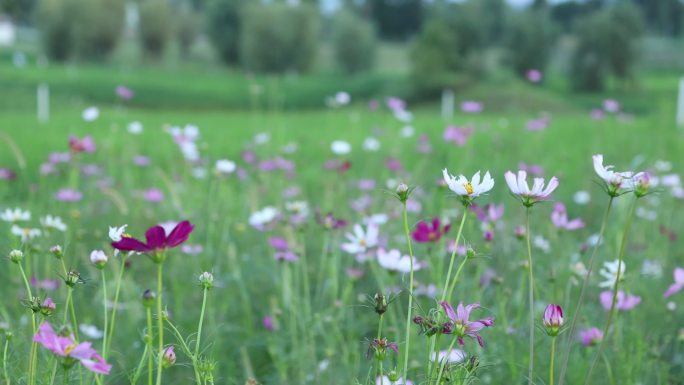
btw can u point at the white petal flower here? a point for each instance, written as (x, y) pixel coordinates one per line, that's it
(371, 144)
(614, 179)
(263, 217)
(115, 233)
(609, 271)
(469, 188)
(518, 186)
(25, 233)
(16, 215)
(54, 223)
(90, 114)
(225, 166)
(340, 147)
(135, 127)
(360, 241)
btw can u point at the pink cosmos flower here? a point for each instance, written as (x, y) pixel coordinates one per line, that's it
(45, 284)
(68, 348)
(424, 146)
(156, 239)
(462, 325)
(76, 145)
(124, 93)
(153, 195)
(457, 135)
(471, 106)
(539, 124)
(611, 106)
(269, 323)
(678, 284)
(283, 251)
(518, 186)
(7, 174)
(68, 195)
(623, 302)
(396, 104)
(533, 169)
(534, 75)
(559, 218)
(433, 232)
(591, 337)
(553, 319)
(490, 213)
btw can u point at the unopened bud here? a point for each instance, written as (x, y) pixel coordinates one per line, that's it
(168, 357)
(403, 192)
(206, 280)
(56, 250)
(148, 298)
(393, 376)
(380, 304)
(16, 256)
(98, 258)
(48, 307)
(72, 278)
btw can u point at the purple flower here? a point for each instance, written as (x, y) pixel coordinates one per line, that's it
(68, 195)
(623, 301)
(462, 325)
(329, 221)
(76, 145)
(597, 114)
(393, 164)
(471, 106)
(490, 213)
(534, 75)
(141, 161)
(396, 104)
(269, 323)
(433, 232)
(366, 184)
(192, 249)
(591, 337)
(457, 135)
(156, 239)
(424, 146)
(46, 284)
(153, 195)
(678, 284)
(533, 169)
(611, 105)
(68, 348)
(553, 319)
(559, 218)
(7, 174)
(539, 124)
(124, 93)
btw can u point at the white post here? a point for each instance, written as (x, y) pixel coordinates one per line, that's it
(447, 104)
(43, 96)
(680, 104)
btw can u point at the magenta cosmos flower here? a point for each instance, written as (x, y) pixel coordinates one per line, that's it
(623, 301)
(462, 325)
(518, 186)
(430, 232)
(591, 337)
(66, 347)
(87, 144)
(156, 239)
(678, 282)
(553, 319)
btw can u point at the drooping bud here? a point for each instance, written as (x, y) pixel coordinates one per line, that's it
(16, 256)
(206, 280)
(168, 357)
(553, 319)
(148, 298)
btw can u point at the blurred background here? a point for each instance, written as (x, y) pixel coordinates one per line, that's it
(210, 54)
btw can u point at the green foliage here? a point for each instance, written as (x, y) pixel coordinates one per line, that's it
(223, 27)
(354, 42)
(435, 58)
(187, 28)
(530, 40)
(397, 19)
(87, 30)
(154, 27)
(606, 46)
(278, 38)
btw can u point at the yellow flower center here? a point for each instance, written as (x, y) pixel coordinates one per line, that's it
(362, 242)
(69, 349)
(469, 188)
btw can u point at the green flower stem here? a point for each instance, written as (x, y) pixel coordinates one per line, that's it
(115, 304)
(530, 375)
(578, 308)
(611, 312)
(32, 352)
(453, 254)
(4, 362)
(160, 321)
(150, 349)
(553, 355)
(199, 337)
(446, 360)
(407, 336)
(106, 315)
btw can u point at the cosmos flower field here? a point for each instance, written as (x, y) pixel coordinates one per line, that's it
(350, 245)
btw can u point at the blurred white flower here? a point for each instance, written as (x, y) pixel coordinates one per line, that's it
(91, 331)
(263, 217)
(290, 148)
(115, 233)
(342, 98)
(377, 219)
(455, 356)
(652, 268)
(262, 137)
(340, 147)
(407, 131)
(393, 260)
(371, 144)
(646, 214)
(360, 240)
(55, 223)
(542, 244)
(663, 165)
(90, 114)
(609, 271)
(300, 208)
(199, 172)
(582, 197)
(403, 115)
(225, 166)
(25, 233)
(135, 127)
(16, 215)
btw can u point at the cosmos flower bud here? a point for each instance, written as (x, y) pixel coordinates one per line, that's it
(403, 192)
(380, 303)
(206, 280)
(473, 363)
(148, 298)
(34, 304)
(168, 357)
(470, 253)
(48, 307)
(98, 258)
(418, 320)
(520, 232)
(641, 183)
(8, 335)
(65, 331)
(553, 319)
(72, 278)
(393, 376)
(56, 250)
(16, 256)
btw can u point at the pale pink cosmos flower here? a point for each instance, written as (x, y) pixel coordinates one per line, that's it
(614, 180)
(462, 325)
(611, 105)
(471, 106)
(591, 337)
(68, 195)
(678, 284)
(623, 301)
(534, 75)
(559, 218)
(457, 135)
(153, 195)
(124, 92)
(518, 186)
(68, 348)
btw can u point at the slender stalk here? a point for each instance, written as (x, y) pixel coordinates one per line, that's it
(66, 376)
(150, 350)
(106, 315)
(446, 360)
(531, 297)
(160, 321)
(115, 304)
(4, 362)
(378, 360)
(578, 308)
(73, 313)
(407, 336)
(553, 355)
(611, 312)
(458, 273)
(138, 369)
(32, 352)
(453, 254)
(436, 363)
(199, 336)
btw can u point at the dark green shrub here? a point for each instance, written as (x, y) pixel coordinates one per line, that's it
(530, 38)
(354, 42)
(223, 27)
(154, 27)
(435, 58)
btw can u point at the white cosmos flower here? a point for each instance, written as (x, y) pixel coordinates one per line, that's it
(115, 233)
(403, 115)
(50, 222)
(98, 257)
(300, 208)
(135, 127)
(377, 219)
(614, 179)
(455, 356)
(262, 137)
(263, 217)
(91, 331)
(342, 98)
(469, 188)
(371, 144)
(518, 186)
(90, 114)
(582, 197)
(25, 233)
(360, 240)
(609, 271)
(340, 147)
(393, 260)
(407, 131)
(16, 215)
(225, 166)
